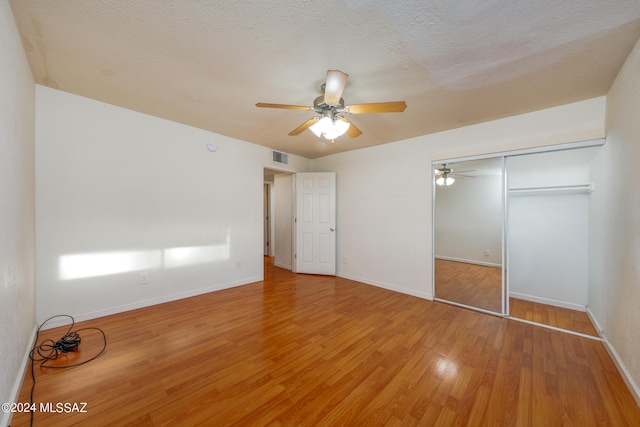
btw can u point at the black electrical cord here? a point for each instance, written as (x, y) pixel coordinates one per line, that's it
(50, 350)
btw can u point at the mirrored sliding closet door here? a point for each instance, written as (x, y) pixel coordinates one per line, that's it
(468, 233)
(511, 234)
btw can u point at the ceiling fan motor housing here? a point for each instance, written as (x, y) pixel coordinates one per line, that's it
(320, 106)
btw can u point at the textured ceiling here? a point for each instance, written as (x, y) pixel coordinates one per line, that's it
(206, 63)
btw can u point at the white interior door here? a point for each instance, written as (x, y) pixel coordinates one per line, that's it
(316, 223)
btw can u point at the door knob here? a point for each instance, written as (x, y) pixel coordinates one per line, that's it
(332, 229)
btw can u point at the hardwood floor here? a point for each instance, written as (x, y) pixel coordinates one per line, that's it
(325, 351)
(480, 286)
(564, 318)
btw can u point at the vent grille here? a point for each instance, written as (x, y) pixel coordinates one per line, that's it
(279, 157)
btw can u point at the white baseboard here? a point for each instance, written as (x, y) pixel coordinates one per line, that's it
(595, 322)
(624, 372)
(548, 301)
(17, 384)
(81, 317)
(412, 292)
(468, 261)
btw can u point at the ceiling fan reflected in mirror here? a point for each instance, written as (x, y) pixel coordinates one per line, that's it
(445, 176)
(331, 121)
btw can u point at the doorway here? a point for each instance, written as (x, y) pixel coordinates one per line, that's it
(280, 214)
(316, 227)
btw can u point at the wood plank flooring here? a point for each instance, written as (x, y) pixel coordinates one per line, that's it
(480, 286)
(302, 350)
(564, 318)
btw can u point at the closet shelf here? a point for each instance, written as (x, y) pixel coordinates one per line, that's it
(560, 189)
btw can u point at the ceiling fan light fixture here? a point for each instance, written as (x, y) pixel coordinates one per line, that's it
(341, 126)
(443, 178)
(321, 126)
(444, 175)
(328, 128)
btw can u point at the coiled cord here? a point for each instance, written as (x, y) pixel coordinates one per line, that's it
(50, 350)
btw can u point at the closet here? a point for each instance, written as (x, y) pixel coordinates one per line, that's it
(511, 234)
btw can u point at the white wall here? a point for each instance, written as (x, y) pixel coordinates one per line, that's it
(121, 193)
(614, 224)
(17, 211)
(384, 192)
(548, 239)
(383, 225)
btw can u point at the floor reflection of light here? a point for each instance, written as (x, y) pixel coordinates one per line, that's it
(104, 263)
(446, 368)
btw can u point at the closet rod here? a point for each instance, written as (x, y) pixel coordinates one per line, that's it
(559, 189)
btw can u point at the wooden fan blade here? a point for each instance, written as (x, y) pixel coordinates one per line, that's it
(353, 131)
(377, 107)
(304, 126)
(334, 86)
(285, 106)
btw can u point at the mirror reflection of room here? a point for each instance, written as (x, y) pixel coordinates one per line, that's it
(468, 233)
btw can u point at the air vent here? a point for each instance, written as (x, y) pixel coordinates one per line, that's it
(279, 157)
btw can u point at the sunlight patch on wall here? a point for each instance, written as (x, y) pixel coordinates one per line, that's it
(181, 257)
(77, 266)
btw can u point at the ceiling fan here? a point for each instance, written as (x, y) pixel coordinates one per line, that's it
(331, 122)
(446, 176)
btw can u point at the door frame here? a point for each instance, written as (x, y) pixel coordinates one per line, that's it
(267, 216)
(274, 201)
